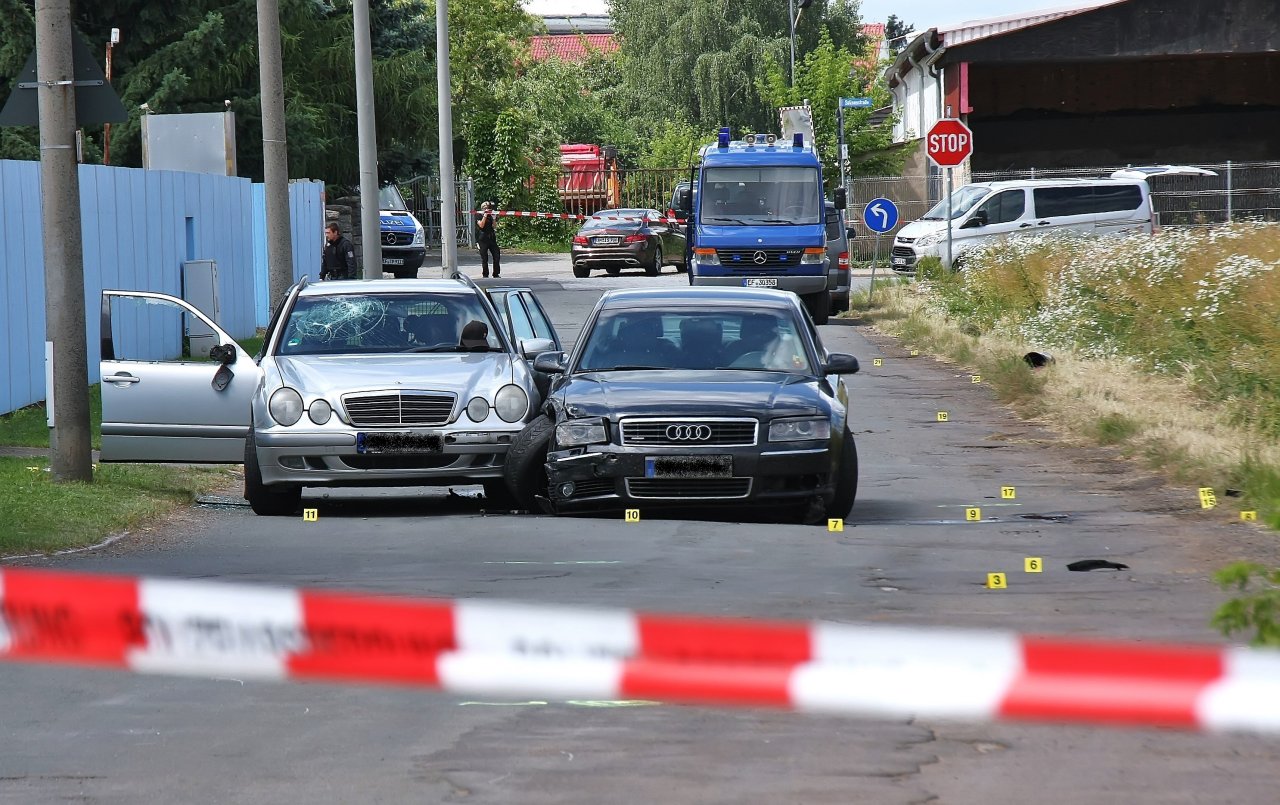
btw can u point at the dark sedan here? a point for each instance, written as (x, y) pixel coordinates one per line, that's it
(689, 397)
(618, 239)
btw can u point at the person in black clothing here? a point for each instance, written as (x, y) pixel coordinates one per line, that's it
(487, 239)
(338, 262)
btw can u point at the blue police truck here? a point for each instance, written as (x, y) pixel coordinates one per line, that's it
(756, 213)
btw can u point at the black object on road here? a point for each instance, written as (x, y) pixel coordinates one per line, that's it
(1096, 564)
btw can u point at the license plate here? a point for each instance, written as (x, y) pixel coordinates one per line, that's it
(393, 261)
(899, 261)
(411, 442)
(760, 282)
(688, 467)
(607, 241)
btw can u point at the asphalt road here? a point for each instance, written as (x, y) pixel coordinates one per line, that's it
(906, 557)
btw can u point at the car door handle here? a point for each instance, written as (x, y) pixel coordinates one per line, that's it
(1042, 223)
(121, 379)
(1025, 226)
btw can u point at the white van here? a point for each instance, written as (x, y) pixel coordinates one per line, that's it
(985, 211)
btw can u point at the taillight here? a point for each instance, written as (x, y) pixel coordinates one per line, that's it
(842, 262)
(635, 238)
(580, 240)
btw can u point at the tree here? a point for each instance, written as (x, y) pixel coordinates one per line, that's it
(895, 33)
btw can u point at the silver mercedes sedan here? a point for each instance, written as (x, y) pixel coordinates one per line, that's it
(357, 383)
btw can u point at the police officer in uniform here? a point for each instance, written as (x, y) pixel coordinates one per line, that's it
(338, 262)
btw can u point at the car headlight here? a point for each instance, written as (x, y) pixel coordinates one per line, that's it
(419, 236)
(813, 255)
(931, 238)
(796, 430)
(706, 257)
(285, 406)
(578, 432)
(478, 409)
(511, 403)
(320, 411)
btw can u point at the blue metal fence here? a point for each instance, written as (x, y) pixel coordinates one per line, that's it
(306, 211)
(138, 227)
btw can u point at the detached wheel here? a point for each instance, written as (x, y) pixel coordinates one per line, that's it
(525, 471)
(820, 307)
(655, 268)
(581, 272)
(273, 500)
(846, 479)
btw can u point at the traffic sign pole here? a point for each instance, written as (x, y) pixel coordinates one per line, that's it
(948, 144)
(844, 181)
(949, 170)
(875, 259)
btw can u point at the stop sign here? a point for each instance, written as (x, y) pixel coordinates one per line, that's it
(949, 143)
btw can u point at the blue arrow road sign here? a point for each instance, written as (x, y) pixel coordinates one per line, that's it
(855, 103)
(880, 215)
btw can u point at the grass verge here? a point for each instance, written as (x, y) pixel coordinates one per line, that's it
(40, 516)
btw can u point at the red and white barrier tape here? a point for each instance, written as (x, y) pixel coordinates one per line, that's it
(198, 628)
(568, 216)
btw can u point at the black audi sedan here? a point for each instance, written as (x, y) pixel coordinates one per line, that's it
(618, 239)
(692, 397)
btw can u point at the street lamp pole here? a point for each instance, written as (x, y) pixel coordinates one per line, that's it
(791, 17)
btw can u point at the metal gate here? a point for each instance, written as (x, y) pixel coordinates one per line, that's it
(422, 194)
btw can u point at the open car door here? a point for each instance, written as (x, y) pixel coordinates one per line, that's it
(175, 386)
(527, 322)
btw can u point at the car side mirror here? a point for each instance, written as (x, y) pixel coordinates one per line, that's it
(223, 353)
(553, 363)
(851, 233)
(533, 347)
(979, 219)
(838, 363)
(841, 198)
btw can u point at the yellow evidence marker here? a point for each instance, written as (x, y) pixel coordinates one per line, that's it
(310, 515)
(835, 524)
(996, 581)
(877, 361)
(633, 515)
(1207, 499)
(975, 378)
(915, 353)
(1008, 493)
(1033, 564)
(943, 417)
(1249, 516)
(973, 514)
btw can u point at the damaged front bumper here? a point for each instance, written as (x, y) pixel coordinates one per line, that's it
(609, 476)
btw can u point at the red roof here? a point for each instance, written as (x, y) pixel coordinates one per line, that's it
(570, 47)
(873, 30)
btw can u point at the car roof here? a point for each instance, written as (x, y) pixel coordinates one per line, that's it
(1066, 181)
(386, 286)
(645, 297)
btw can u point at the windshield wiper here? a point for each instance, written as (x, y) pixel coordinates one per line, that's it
(629, 368)
(737, 221)
(453, 348)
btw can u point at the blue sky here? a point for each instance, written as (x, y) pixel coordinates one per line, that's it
(920, 13)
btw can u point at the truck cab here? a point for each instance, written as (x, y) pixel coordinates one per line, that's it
(757, 217)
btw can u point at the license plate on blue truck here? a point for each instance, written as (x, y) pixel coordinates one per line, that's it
(760, 282)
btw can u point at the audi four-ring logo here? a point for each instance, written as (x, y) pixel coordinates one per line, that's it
(759, 258)
(688, 433)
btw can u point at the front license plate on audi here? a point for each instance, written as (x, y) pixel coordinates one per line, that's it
(402, 442)
(688, 467)
(393, 261)
(760, 282)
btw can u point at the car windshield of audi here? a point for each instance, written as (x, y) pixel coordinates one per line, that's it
(359, 383)
(698, 396)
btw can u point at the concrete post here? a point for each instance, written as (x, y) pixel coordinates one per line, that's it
(367, 144)
(448, 193)
(275, 153)
(71, 458)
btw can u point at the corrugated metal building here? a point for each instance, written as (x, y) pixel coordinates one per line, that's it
(1100, 83)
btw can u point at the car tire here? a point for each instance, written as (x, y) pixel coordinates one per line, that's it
(525, 470)
(820, 307)
(613, 271)
(655, 268)
(581, 272)
(497, 496)
(839, 304)
(846, 490)
(267, 500)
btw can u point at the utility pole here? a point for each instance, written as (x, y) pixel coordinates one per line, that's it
(448, 193)
(367, 144)
(106, 127)
(66, 355)
(275, 152)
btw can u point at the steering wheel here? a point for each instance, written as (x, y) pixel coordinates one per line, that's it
(748, 360)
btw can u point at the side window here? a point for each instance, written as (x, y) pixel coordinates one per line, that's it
(1005, 207)
(1117, 198)
(148, 329)
(541, 326)
(1063, 201)
(520, 323)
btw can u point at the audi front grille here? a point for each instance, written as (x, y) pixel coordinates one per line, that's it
(397, 409)
(689, 432)
(688, 488)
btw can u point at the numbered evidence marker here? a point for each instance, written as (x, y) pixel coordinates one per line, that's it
(1033, 564)
(996, 581)
(1207, 499)
(943, 417)
(915, 353)
(877, 361)
(975, 378)
(973, 515)
(835, 524)
(310, 515)
(1249, 516)
(1008, 492)
(633, 515)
